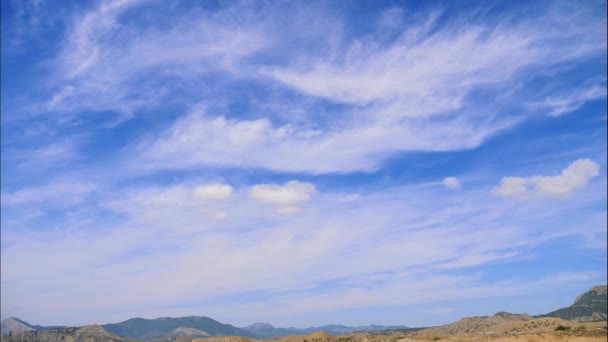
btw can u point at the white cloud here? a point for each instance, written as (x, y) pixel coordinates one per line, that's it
(566, 103)
(574, 177)
(212, 192)
(103, 54)
(288, 197)
(197, 140)
(512, 187)
(411, 93)
(451, 182)
(413, 71)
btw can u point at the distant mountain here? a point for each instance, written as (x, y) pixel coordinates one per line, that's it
(14, 325)
(167, 327)
(591, 306)
(90, 333)
(265, 330)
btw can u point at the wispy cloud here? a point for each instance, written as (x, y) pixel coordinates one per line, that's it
(102, 57)
(333, 242)
(567, 103)
(395, 95)
(298, 158)
(65, 191)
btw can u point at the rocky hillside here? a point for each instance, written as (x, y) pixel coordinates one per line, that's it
(591, 306)
(472, 325)
(167, 327)
(89, 333)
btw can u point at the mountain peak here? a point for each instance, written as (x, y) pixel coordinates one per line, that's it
(600, 289)
(260, 325)
(14, 325)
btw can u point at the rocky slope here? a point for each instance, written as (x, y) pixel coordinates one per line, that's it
(471, 325)
(591, 306)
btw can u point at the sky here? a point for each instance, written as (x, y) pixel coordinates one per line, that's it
(299, 162)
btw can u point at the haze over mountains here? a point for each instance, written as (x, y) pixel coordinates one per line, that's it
(195, 326)
(265, 330)
(591, 306)
(167, 327)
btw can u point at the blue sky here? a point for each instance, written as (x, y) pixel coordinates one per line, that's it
(301, 163)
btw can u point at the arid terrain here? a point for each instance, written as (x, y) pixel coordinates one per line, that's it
(543, 329)
(501, 327)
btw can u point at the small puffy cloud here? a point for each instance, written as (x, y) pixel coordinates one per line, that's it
(451, 182)
(572, 178)
(212, 192)
(288, 197)
(512, 187)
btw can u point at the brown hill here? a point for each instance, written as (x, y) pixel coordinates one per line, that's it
(515, 327)
(317, 336)
(89, 333)
(472, 325)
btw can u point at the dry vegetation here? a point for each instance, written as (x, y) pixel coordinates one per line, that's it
(528, 330)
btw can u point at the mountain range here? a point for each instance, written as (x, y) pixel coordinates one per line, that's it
(591, 306)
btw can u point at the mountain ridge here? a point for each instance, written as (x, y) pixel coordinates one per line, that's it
(591, 306)
(168, 327)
